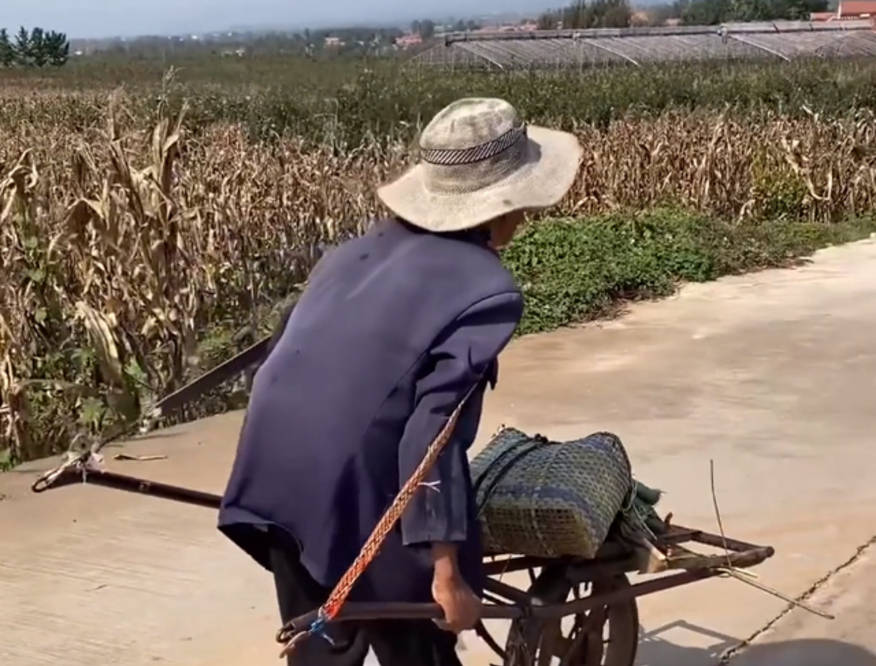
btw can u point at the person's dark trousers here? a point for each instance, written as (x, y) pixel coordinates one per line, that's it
(395, 642)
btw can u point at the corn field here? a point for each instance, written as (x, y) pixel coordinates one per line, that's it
(129, 237)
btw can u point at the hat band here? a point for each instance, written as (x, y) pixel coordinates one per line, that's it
(479, 153)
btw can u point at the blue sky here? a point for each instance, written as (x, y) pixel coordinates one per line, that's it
(100, 18)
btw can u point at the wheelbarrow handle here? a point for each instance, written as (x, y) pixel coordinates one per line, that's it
(400, 611)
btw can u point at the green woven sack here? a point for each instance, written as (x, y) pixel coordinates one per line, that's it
(549, 499)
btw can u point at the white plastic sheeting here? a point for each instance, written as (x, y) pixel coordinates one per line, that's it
(586, 48)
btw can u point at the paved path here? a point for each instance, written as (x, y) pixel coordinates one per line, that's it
(801, 639)
(771, 375)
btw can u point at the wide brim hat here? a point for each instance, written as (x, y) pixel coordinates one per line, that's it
(479, 161)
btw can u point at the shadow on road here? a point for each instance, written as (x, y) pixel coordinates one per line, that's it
(806, 652)
(656, 648)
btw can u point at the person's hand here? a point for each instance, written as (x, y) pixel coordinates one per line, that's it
(462, 608)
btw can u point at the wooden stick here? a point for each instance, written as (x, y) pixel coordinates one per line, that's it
(734, 573)
(718, 512)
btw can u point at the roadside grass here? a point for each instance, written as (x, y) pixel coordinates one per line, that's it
(571, 270)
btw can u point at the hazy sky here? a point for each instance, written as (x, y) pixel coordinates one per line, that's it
(99, 18)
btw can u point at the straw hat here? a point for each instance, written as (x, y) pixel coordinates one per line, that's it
(478, 161)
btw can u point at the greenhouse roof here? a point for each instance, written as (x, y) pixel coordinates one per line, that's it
(638, 46)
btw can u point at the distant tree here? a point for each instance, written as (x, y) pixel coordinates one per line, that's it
(58, 48)
(39, 54)
(7, 51)
(660, 14)
(798, 9)
(427, 29)
(596, 14)
(548, 21)
(711, 12)
(36, 48)
(613, 13)
(22, 47)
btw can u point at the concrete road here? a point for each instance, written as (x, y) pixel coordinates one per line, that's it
(801, 639)
(771, 375)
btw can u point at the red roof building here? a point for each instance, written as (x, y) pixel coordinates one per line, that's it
(847, 10)
(856, 8)
(409, 41)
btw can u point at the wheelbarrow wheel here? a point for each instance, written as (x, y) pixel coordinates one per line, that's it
(605, 636)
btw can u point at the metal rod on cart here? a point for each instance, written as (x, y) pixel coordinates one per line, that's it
(405, 611)
(135, 485)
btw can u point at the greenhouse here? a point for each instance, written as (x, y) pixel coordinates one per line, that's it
(640, 46)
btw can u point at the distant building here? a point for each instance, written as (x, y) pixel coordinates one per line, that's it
(526, 26)
(848, 10)
(529, 26)
(409, 41)
(852, 9)
(333, 42)
(639, 19)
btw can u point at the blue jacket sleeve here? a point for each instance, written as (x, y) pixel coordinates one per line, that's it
(463, 357)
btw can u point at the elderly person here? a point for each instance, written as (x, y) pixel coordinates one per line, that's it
(394, 329)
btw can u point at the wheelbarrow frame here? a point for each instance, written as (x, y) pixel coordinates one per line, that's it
(547, 600)
(667, 558)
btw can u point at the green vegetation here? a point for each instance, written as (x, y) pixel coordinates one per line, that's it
(338, 103)
(594, 14)
(618, 13)
(340, 43)
(36, 48)
(576, 269)
(711, 12)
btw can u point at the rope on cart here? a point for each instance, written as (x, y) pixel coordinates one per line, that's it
(289, 634)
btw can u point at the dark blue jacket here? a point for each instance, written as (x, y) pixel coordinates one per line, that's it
(393, 329)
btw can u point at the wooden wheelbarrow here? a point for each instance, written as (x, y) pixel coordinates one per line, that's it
(572, 612)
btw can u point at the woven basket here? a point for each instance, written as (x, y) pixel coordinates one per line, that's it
(549, 499)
